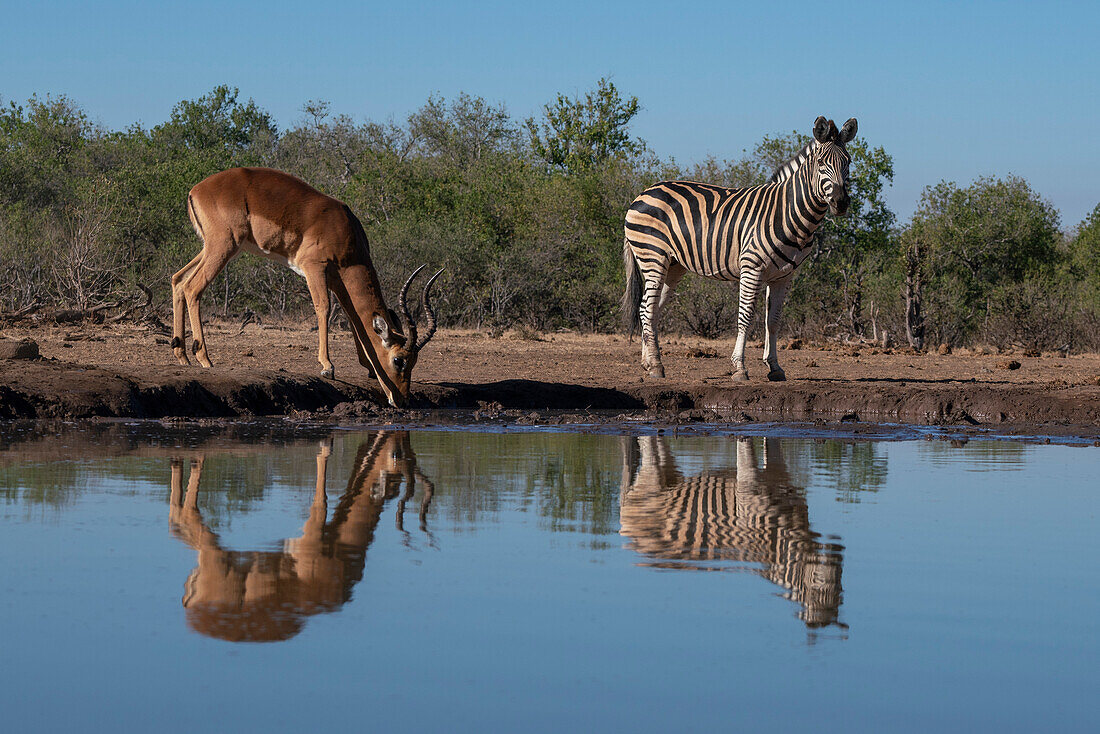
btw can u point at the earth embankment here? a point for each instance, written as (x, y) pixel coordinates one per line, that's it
(127, 371)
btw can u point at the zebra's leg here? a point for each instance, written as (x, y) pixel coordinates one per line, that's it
(747, 291)
(776, 293)
(649, 311)
(668, 290)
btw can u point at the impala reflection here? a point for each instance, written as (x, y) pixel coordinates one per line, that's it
(265, 596)
(747, 517)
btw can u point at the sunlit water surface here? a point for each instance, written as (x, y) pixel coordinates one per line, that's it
(268, 580)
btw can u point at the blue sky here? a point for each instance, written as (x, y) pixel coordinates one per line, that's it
(952, 90)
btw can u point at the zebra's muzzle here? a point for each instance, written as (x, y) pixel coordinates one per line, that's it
(838, 205)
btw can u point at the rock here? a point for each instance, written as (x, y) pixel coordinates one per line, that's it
(25, 349)
(488, 410)
(1008, 364)
(944, 349)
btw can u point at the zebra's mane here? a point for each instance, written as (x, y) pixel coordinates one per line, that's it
(787, 170)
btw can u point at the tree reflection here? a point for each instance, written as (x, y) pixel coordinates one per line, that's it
(748, 517)
(262, 596)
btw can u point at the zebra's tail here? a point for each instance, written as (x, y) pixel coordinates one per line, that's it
(632, 297)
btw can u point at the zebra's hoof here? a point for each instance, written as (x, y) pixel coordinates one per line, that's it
(657, 371)
(740, 376)
(329, 374)
(777, 375)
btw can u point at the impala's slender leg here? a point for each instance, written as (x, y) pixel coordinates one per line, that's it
(175, 499)
(194, 478)
(338, 288)
(318, 290)
(776, 293)
(364, 360)
(313, 530)
(184, 518)
(179, 305)
(214, 259)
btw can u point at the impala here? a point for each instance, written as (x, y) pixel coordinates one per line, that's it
(275, 215)
(268, 595)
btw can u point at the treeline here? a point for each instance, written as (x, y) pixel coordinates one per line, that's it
(526, 216)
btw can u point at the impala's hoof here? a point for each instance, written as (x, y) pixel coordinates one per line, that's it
(777, 375)
(740, 376)
(657, 371)
(329, 374)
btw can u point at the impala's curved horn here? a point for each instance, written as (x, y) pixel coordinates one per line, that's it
(407, 324)
(429, 314)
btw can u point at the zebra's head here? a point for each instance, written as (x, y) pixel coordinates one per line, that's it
(830, 176)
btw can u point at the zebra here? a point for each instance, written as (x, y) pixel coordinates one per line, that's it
(757, 235)
(750, 516)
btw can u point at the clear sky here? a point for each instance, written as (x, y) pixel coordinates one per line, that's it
(952, 90)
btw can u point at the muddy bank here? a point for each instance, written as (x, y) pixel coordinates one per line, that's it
(271, 371)
(63, 391)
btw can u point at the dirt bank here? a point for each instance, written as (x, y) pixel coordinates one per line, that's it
(129, 371)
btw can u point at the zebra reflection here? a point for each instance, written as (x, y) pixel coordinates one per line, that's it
(751, 516)
(264, 596)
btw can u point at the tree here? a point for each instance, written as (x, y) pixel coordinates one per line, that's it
(1084, 252)
(576, 135)
(41, 146)
(218, 122)
(851, 249)
(970, 245)
(463, 131)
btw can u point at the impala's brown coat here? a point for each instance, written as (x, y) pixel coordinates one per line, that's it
(264, 595)
(275, 215)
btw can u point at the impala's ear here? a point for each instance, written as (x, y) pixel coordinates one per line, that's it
(382, 328)
(821, 130)
(848, 131)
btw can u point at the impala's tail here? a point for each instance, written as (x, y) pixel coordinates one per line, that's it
(632, 297)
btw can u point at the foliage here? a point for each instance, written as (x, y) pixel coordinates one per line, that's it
(577, 135)
(525, 216)
(978, 243)
(1084, 258)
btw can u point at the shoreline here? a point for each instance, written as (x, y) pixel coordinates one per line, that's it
(125, 373)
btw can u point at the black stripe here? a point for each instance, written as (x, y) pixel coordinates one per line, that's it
(195, 217)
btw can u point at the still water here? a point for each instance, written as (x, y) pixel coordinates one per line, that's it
(270, 578)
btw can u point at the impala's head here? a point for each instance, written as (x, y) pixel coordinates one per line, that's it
(829, 178)
(398, 352)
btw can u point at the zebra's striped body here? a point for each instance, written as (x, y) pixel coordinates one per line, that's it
(747, 517)
(787, 170)
(757, 236)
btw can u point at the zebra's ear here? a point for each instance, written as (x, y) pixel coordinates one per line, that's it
(821, 129)
(848, 131)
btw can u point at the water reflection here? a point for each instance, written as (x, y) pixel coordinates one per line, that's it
(751, 515)
(263, 596)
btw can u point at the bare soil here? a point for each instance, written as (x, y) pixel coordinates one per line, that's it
(90, 370)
